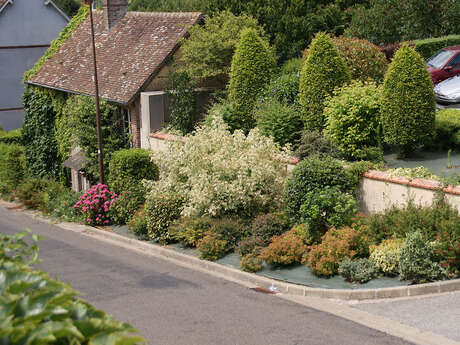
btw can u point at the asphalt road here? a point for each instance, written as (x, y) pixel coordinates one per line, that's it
(173, 305)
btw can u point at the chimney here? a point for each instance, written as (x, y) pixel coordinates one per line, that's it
(114, 10)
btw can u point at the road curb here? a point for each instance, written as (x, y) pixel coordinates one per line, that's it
(245, 278)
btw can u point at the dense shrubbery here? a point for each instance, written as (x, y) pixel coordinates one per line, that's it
(291, 67)
(212, 246)
(446, 130)
(190, 230)
(252, 66)
(129, 167)
(95, 204)
(251, 262)
(266, 226)
(323, 70)
(314, 143)
(218, 173)
(285, 250)
(408, 105)
(313, 175)
(336, 245)
(429, 46)
(138, 224)
(127, 203)
(358, 271)
(12, 166)
(11, 137)
(284, 88)
(352, 119)
(280, 120)
(386, 255)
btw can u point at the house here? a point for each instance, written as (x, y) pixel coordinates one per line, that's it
(134, 52)
(27, 28)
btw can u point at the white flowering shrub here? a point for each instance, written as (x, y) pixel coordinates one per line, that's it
(219, 173)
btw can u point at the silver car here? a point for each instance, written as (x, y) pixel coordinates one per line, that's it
(448, 91)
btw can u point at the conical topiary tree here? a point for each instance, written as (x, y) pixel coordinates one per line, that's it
(252, 66)
(408, 105)
(323, 71)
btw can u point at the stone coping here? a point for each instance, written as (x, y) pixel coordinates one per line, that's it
(417, 182)
(240, 277)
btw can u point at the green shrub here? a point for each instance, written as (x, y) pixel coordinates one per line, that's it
(323, 71)
(408, 105)
(12, 166)
(182, 105)
(252, 67)
(248, 245)
(162, 209)
(210, 170)
(326, 208)
(11, 137)
(284, 88)
(446, 131)
(291, 66)
(29, 192)
(265, 226)
(336, 245)
(386, 256)
(429, 46)
(313, 143)
(190, 230)
(212, 246)
(312, 175)
(352, 118)
(285, 250)
(418, 262)
(126, 204)
(62, 207)
(36, 309)
(129, 167)
(38, 134)
(231, 230)
(412, 173)
(251, 262)
(358, 271)
(225, 110)
(279, 120)
(138, 224)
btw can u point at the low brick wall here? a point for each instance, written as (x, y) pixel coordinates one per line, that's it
(377, 191)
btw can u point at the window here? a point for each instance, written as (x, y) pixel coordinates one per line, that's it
(440, 58)
(455, 63)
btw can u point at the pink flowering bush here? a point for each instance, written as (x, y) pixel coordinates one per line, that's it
(95, 204)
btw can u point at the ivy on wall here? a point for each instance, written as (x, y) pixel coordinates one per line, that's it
(58, 42)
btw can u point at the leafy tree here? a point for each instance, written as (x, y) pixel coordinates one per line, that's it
(252, 66)
(168, 5)
(70, 7)
(408, 105)
(207, 53)
(323, 71)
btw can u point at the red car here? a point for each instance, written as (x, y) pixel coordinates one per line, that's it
(444, 64)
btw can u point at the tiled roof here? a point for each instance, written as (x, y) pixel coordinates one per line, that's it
(128, 56)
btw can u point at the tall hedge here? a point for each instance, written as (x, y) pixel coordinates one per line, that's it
(429, 46)
(11, 167)
(408, 104)
(252, 66)
(323, 71)
(38, 134)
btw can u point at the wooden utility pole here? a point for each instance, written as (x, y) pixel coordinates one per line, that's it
(96, 90)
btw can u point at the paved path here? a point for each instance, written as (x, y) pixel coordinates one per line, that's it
(173, 305)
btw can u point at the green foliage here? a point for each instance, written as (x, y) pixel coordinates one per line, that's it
(168, 5)
(325, 208)
(251, 263)
(162, 209)
(279, 120)
(212, 246)
(19, 248)
(418, 262)
(38, 134)
(127, 203)
(225, 110)
(291, 66)
(285, 250)
(207, 53)
(284, 88)
(81, 113)
(12, 167)
(336, 245)
(36, 309)
(182, 105)
(408, 105)
(358, 271)
(231, 230)
(252, 66)
(352, 118)
(429, 46)
(313, 175)
(265, 226)
(412, 173)
(138, 224)
(386, 256)
(70, 7)
(314, 143)
(291, 24)
(61, 207)
(11, 137)
(323, 70)
(58, 42)
(386, 21)
(249, 245)
(189, 230)
(446, 130)
(129, 167)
